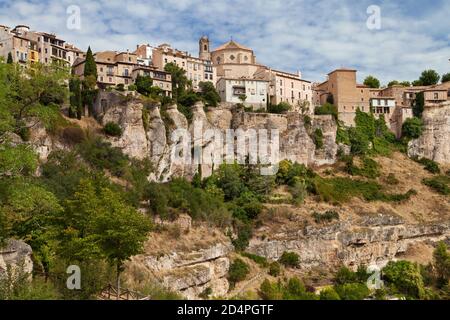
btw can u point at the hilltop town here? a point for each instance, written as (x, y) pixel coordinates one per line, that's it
(233, 70)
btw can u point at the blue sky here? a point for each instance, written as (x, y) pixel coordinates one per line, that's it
(314, 37)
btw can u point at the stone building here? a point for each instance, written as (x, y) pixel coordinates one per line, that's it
(345, 93)
(161, 79)
(197, 69)
(28, 46)
(23, 48)
(255, 92)
(287, 87)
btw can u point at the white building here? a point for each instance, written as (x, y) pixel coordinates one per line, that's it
(254, 90)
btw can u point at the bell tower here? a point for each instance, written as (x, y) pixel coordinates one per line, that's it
(203, 52)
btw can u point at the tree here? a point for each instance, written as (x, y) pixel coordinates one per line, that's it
(90, 67)
(393, 83)
(445, 77)
(372, 82)
(418, 105)
(441, 263)
(180, 82)
(30, 96)
(417, 83)
(209, 93)
(98, 224)
(412, 128)
(144, 85)
(405, 83)
(280, 108)
(289, 259)
(90, 81)
(327, 108)
(429, 77)
(329, 294)
(10, 58)
(238, 271)
(405, 277)
(76, 99)
(120, 230)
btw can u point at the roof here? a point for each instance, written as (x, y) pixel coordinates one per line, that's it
(232, 45)
(342, 70)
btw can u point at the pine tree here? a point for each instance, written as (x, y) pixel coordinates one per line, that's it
(90, 81)
(90, 67)
(10, 58)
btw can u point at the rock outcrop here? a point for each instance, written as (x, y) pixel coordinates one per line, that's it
(16, 254)
(434, 143)
(373, 240)
(191, 273)
(160, 140)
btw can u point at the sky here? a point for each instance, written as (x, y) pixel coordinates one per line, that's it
(314, 37)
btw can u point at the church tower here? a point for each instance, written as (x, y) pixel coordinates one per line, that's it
(203, 52)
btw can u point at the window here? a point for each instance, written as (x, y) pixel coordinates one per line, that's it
(126, 81)
(205, 47)
(232, 57)
(165, 60)
(281, 92)
(436, 96)
(386, 109)
(292, 85)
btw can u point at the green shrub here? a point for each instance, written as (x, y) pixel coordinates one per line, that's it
(369, 169)
(244, 234)
(429, 165)
(412, 128)
(132, 87)
(327, 216)
(120, 87)
(392, 180)
(329, 294)
(440, 184)
(282, 107)
(299, 192)
(344, 275)
(73, 135)
(102, 155)
(238, 271)
(293, 289)
(289, 259)
(327, 108)
(112, 129)
(405, 277)
(352, 291)
(262, 261)
(318, 138)
(340, 190)
(274, 269)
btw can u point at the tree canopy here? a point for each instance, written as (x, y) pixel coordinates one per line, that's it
(372, 82)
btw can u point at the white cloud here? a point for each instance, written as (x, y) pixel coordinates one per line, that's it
(313, 36)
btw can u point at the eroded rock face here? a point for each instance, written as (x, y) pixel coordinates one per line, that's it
(190, 273)
(159, 138)
(371, 241)
(133, 141)
(16, 254)
(434, 143)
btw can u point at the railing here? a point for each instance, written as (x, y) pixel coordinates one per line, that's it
(110, 293)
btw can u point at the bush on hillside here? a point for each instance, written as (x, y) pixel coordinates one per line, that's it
(289, 259)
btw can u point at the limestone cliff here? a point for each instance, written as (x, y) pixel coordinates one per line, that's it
(155, 138)
(371, 240)
(16, 254)
(434, 142)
